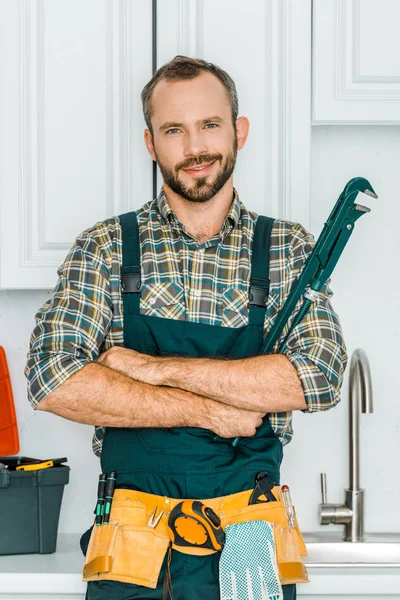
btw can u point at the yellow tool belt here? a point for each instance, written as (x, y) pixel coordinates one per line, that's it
(127, 549)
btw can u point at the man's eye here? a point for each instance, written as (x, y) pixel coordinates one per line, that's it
(176, 129)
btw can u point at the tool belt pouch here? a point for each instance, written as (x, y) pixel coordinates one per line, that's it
(126, 549)
(289, 543)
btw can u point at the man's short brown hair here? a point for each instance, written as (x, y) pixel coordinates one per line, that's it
(184, 67)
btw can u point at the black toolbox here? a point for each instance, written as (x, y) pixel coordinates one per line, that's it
(30, 503)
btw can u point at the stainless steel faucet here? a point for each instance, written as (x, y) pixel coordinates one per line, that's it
(351, 513)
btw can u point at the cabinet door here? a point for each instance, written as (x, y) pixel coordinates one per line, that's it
(266, 48)
(71, 144)
(356, 61)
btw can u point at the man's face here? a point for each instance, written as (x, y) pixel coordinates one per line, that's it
(192, 127)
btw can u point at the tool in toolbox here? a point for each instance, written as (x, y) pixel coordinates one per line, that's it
(12, 462)
(263, 487)
(321, 262)
(45, 464)
(110, 487)
(192, 523)
(9, 440)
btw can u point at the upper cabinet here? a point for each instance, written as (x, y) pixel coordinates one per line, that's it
(71, 144)
(356, 61)
(265, 46)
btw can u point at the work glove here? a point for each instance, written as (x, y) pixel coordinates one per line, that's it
(248, 569)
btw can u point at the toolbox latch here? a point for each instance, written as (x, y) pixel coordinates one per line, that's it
(5, 478)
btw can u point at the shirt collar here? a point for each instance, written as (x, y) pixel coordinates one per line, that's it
(230, 221)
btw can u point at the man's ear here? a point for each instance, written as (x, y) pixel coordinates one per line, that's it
(148, 140)
(242, 131)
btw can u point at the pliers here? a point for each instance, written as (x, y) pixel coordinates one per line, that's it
(263, 487)
(153, 522)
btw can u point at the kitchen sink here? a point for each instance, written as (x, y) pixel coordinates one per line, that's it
(329, 550)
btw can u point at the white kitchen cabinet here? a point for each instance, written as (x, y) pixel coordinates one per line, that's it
(356, 62)
(71, 143)
(266, 49)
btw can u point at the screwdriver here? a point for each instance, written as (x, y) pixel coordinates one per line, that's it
(287, 501)
(101, 492)
(110, 486)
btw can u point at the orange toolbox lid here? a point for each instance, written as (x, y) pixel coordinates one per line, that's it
(9, 441)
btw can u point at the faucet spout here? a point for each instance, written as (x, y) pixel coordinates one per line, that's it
(360, 400)
(351, 513)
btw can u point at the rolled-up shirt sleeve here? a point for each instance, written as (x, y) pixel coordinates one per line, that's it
(70, 326)
(315, 347)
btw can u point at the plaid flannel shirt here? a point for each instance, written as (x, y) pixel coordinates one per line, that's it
(182, 279)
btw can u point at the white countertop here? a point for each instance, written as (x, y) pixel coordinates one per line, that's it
(60, 573)
(45, 573)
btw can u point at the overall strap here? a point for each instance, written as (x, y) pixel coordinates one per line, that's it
(259, 280)
(130, 269)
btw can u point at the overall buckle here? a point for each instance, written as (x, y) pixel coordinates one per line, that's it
(258, 294)
(131, 282)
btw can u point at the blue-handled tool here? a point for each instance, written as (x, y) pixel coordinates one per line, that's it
(322, 260)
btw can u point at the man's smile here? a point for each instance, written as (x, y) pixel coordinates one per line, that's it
(201, 170)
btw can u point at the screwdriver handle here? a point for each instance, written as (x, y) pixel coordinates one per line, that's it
(101, 492)
(110, 486)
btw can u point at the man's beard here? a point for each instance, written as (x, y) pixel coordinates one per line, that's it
(200, 191)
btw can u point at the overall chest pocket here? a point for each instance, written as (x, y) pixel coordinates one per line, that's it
(233, 307)
(163, 299)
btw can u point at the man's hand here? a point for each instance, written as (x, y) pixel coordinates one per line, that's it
(226, 421)
(229, 421)
(135, 365)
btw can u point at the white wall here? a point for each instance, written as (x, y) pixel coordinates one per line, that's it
(44, 435)
(367, 295)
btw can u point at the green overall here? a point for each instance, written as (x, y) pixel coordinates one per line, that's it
(188, 462)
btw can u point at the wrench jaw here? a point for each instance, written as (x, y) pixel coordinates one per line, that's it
(370, 193)
(359, 184)
(361, 208)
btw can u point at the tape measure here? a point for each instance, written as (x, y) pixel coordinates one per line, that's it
(195, 528)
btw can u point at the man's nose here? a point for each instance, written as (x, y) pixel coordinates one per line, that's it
(195, 144)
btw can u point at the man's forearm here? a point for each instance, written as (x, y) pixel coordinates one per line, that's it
(97, 395)
(265, 383)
